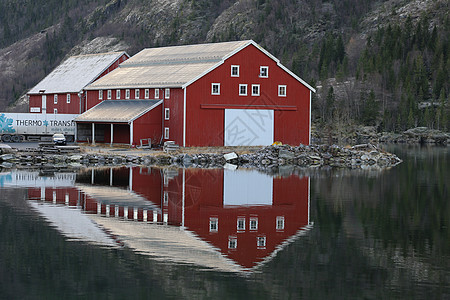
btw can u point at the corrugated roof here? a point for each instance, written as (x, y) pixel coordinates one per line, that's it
(168, 66)
(75, 73)
(121, 111)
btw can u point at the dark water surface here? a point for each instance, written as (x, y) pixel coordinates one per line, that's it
(148, 233)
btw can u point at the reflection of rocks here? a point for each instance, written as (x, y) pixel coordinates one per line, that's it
(279, 159)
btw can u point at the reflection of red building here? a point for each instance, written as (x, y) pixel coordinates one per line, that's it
(246, 215)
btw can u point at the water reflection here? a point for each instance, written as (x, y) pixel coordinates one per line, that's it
(217, 219)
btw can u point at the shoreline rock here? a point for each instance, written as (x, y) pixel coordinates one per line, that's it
(362, 156)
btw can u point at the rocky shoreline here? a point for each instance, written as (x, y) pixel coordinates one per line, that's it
(365, 156)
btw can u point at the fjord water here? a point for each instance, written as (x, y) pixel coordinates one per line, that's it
(221, 234)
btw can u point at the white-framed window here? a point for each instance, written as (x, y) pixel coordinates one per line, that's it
(100, 94)
(261, 242)
(280, 223)
(166, 133)
(213, 224)
(167, 93)
(166, 197)
(242, 90)
(282, 90)
(117, 94)
(136, 94)
(127, 94)
(234, 71)
(253, 224)
(156, 93)
(240, 226)
(166, 181)
(55, 99)
(108, 94)
(264, 71)
(55, 111)
(215, 88)
(68, 98)
(147, 93)
(255, 89)
(232, 242)
(166, 114)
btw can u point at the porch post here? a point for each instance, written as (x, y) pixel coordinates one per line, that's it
(112, 134)
(93, 133)
(131, 133)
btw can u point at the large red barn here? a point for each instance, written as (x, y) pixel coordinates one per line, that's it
(231, 93)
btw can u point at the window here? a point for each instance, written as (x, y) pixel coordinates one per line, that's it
(255, 89)
(261, 241)
(263, 71)
(55, 99)
(136, 94)
(156, 93)
(234, 71)
(100, 94)
(167, 94)
(282, 90)
(166, 114)
(166, 197)
(213, 224)
(127, 94)
(242, 90)
(253, 224)
(147, 94)
(68, 98)
(55, 111)
(241, 224)
(215, 88)
(166, 133)
(117, 94)
(166, 180)
(232, 242)
(108, 94)
(280, 223)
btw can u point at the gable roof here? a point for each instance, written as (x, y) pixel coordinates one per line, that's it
(120, 111)
(76, 72)
(175, 66)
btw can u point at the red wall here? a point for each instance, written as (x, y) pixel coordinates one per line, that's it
(148, 126)
(290, 126)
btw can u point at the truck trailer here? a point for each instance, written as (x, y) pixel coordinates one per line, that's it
(18, 127)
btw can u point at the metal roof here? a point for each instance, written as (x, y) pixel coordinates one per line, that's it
(75, 73)
(120, 111)
(168, 66)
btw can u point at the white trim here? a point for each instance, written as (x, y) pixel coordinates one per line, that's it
(100, 94)
(235, 66)
(156, 93)
(167, 93)
(246, 89)
(213, 85)
(108, 94)
(184, 118)
(147, 93)
(259, 89)
(55, 111)
(166, 114)
(68, 98)
(127, 94)
(166, 133)
(55, 99)
(137, 94)
(280, 87)
(118, 92)
(215, 221)
(131, 135)
(112, 136)
(266, 68)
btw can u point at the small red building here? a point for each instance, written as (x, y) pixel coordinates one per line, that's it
(62, 91)
(231, 93)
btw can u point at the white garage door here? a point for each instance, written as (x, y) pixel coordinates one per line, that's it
(248, 127)
(247, 188)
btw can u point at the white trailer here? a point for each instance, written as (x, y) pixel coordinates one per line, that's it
(17, 127)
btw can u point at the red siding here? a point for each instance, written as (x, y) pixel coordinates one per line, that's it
(148, 126)
(290, 126)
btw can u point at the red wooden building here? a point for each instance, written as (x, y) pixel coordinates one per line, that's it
(231, 93)
(62, 91)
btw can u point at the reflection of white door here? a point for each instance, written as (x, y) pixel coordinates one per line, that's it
(248, 127)
(247, 188)
(44, 104)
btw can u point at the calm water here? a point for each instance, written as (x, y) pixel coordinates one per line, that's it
(220, 234)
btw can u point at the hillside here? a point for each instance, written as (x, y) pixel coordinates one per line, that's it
(379, 63)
